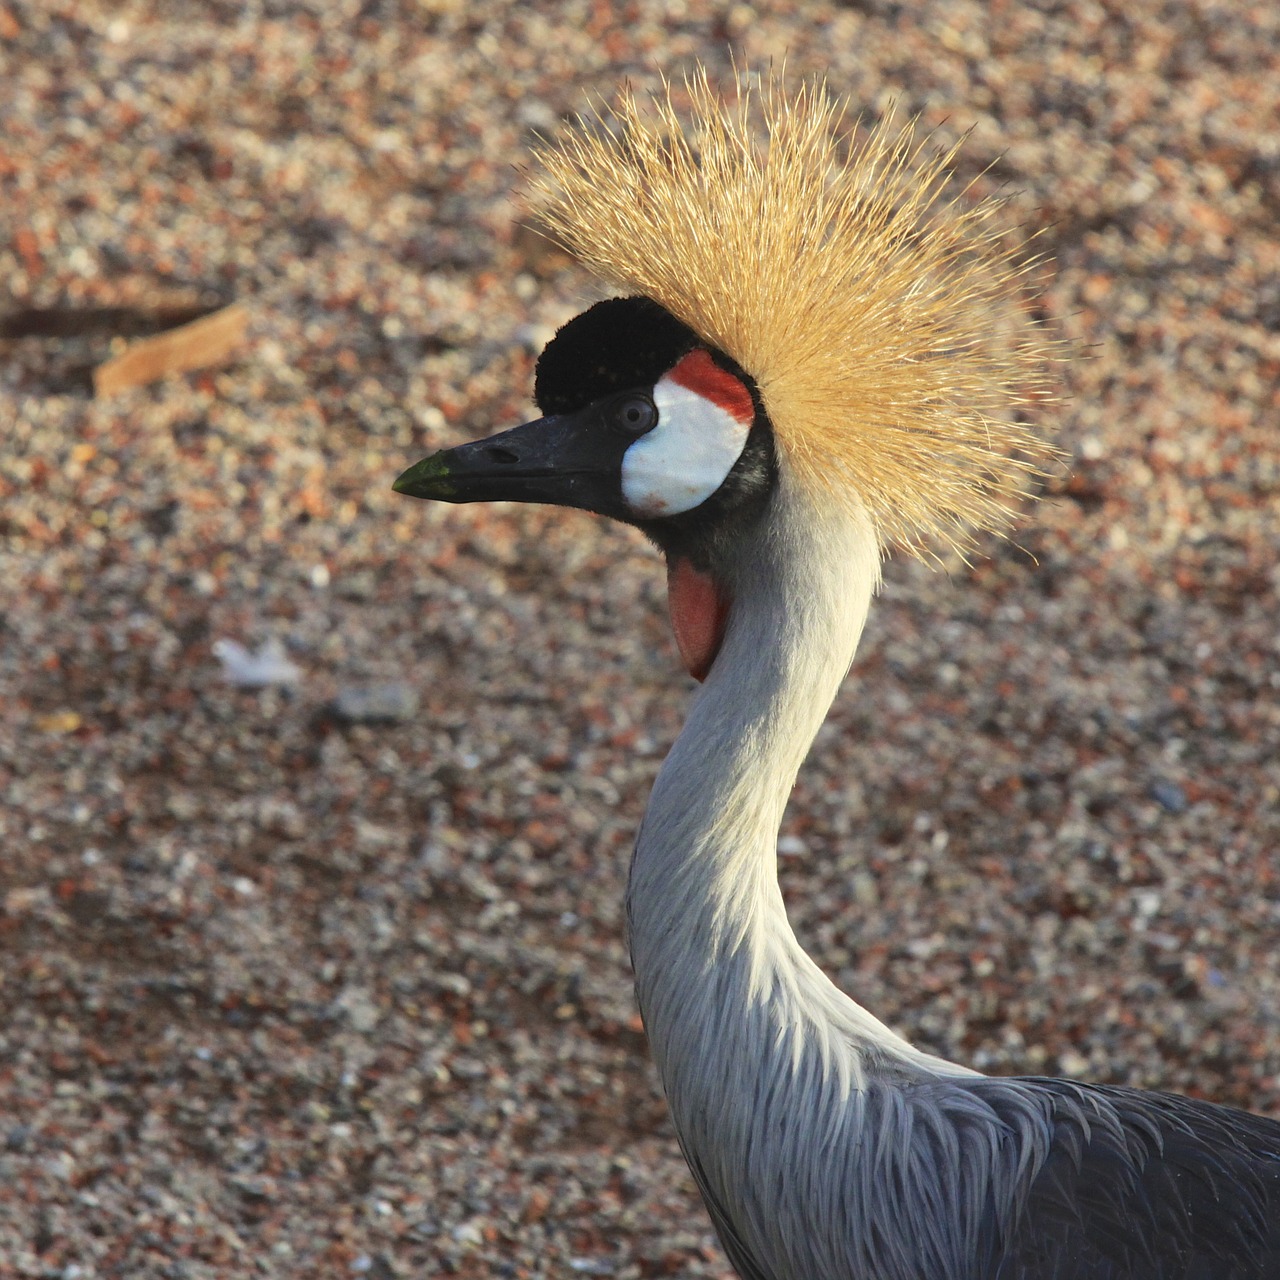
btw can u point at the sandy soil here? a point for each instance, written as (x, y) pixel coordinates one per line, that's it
(328, 979)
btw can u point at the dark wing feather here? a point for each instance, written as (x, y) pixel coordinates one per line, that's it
(1134, 1186)
(1145, 1186)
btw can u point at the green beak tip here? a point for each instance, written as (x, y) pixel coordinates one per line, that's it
(426, 479)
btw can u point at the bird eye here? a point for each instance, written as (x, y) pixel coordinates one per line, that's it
(636, 415)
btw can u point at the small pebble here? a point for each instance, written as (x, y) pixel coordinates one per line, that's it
(387, 703)
(1169, 795)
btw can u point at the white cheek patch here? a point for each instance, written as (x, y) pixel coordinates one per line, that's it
(685, 458)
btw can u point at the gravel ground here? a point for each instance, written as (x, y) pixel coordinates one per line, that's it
(327, 978)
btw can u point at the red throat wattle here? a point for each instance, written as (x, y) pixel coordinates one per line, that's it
(699, 614)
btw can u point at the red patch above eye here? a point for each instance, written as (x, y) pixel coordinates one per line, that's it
(700, 373)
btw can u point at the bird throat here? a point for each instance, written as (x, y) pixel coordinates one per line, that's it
(699, 613)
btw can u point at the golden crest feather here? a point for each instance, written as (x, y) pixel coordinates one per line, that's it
(866, 307)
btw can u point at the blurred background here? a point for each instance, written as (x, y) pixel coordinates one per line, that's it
(316, 802)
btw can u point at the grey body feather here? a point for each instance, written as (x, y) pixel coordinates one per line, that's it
(1146, 1185)
(1028, 1179)
(825, 1146)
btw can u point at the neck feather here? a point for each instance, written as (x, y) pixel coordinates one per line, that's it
(715, 958)
(789, 1098)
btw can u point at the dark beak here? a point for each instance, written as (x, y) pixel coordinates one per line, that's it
(566, 460)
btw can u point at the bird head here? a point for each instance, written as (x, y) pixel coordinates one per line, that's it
(806, 315)
(642, 422)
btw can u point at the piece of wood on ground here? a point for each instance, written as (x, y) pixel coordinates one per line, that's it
(196, 345)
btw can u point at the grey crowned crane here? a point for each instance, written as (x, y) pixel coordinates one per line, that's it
(799, 375)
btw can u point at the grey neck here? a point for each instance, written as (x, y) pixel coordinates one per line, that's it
(711, 945)
(793, 1104)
